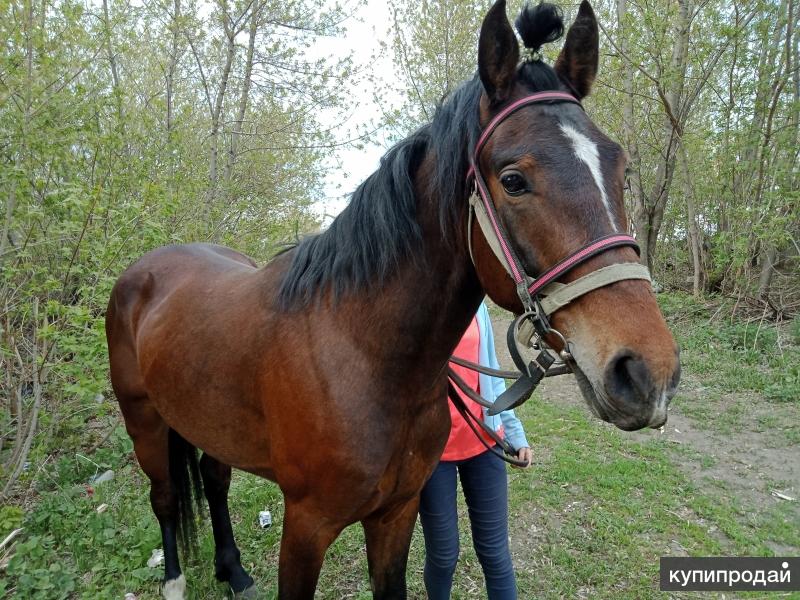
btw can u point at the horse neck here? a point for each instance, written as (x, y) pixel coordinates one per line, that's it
(430, 301)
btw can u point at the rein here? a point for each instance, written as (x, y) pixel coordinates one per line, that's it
(540, 297)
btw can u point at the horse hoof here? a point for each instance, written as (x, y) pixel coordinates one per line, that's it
(248, 593)
(174, 589)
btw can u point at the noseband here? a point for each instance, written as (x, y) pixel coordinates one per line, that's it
(540, 296)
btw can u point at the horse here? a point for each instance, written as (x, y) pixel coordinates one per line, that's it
(325, 370)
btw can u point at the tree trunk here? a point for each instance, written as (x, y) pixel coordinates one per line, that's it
(651, 218)
(172, 67)
(746, 181)
(19, 156)
(112, 61)
(244, 98)
(216, 115)
(769, 257)
(695, 235)
(768, 253)
(634, 174)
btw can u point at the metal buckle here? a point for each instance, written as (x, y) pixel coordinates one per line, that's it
(565, 353)
(528, 303)
(539, 319)
(533, 337)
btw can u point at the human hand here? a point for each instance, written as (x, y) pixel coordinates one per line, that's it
(526, 455)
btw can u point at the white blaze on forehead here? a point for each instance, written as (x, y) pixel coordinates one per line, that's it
(586, 150)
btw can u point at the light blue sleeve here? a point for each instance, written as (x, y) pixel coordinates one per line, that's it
(491, 387)
(514, 431)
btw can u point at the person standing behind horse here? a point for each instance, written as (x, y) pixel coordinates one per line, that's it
(483, 479)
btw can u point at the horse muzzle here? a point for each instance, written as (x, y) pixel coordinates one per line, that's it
(638, 396)
(628, 394)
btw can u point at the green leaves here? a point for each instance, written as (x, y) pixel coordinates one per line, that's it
(37, 575)
(105, 152)
(435, 47)
(69, 544)
(10, 519)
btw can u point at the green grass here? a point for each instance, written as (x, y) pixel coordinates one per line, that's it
(621, 505)
(736, 375)
(733, 355)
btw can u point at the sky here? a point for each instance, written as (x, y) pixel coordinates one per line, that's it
(365, 30)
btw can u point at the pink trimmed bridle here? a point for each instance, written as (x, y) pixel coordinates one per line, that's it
(540, 296)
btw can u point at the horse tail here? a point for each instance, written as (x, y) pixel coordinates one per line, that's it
(184, 471)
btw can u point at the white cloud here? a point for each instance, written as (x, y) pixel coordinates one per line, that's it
(368, 27)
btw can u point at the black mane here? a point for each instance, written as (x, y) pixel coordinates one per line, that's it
(378, 230)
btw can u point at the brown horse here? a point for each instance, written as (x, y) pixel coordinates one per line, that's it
(325, 370)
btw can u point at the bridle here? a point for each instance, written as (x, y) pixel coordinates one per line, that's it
(540, 296)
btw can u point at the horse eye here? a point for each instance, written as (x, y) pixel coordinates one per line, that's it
(513, 183)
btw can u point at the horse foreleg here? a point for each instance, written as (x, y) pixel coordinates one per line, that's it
(227, 561)
(306, 536)
(388, 535)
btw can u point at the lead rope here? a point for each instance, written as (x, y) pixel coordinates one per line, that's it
(509, 452)
(523, 386)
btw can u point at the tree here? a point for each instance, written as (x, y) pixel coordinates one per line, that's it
(435, 48)
(125, 127)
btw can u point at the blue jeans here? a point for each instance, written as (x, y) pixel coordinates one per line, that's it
(485, 484)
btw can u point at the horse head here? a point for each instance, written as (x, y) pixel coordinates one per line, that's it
(556, 183)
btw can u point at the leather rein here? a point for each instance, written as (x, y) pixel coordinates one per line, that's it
(540, 297)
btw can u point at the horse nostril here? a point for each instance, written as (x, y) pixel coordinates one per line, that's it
(628, 378)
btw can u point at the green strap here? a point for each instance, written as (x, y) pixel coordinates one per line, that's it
(558, 295)
(477, 208)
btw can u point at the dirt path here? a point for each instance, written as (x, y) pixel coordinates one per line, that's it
(745, 460)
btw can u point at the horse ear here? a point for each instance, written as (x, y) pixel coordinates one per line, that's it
(498, 53)
(577, 63)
